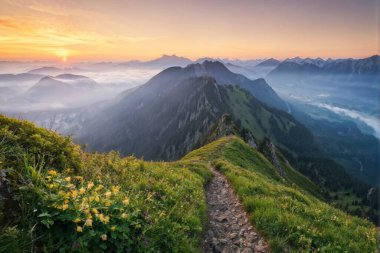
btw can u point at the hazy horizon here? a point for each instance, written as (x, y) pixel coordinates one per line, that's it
(106, 60)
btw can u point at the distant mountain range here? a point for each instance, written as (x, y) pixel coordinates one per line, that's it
(165, 61)
(338, 82)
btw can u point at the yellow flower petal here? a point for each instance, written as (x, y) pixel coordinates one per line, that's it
(103, 237)
(88, 223)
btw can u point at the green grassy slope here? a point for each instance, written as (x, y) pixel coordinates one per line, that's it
(55, 196)
(263, 121)
(283, 209)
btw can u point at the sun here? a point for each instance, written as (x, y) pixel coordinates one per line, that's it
(63, 54)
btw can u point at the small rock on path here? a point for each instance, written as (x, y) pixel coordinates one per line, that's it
(228, 229)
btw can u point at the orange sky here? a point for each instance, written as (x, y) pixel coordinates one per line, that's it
(122, 30)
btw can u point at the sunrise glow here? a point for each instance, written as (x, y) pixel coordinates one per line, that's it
(118, 30)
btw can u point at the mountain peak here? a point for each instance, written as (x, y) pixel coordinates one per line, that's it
(208, 65)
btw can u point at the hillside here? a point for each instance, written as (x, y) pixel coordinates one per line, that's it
(57, 196)
(54, 196)
(292, 219)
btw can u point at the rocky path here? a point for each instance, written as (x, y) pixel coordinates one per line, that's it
(228, 228)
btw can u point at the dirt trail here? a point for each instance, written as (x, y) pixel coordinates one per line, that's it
(228, 228)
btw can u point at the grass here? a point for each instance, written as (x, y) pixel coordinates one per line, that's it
(57, 198)
(285, 210)
(63, 199)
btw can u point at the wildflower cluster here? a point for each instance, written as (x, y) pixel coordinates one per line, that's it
(94, 212)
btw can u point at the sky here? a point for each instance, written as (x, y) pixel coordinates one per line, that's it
(77, 30)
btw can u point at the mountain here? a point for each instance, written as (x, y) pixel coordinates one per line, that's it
(173, 112)
(161, 205)
(319, 62)
(269, 63)
(19, 80)
(51, 71)
(50, 89)
(288, 68)
(258, 88)
(247, 71)
(344, 69)
(64, 88)
(165, 61)
(362, 67)
(79, 81)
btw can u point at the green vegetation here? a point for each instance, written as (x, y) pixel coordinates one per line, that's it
(57, 198)
(282, 209)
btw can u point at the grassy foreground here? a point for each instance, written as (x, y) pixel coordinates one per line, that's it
(57, 198)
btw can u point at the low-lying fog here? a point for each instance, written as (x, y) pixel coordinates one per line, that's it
(33, 86)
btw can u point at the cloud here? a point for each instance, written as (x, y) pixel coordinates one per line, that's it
(370, 121)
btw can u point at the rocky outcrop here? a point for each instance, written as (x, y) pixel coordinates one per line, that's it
(268, 149)
(225, 126)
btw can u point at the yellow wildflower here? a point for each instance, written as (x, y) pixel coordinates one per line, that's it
(79, 229)
(74, 193)
(97, 199)
(107, 203)
(91, 198)
(115, 189)
(113, 228)
(90, 185)
(124, 216)
(65, 206)
(108, 194)
(76, 220)
(81, 190)
(88, 223)
(106, 219)
(95, 211)
(68, 179)
(101, 217)
(52, 172)
(103, 237)
(126, 201)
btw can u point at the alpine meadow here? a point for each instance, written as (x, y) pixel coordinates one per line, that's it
(218, 126)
